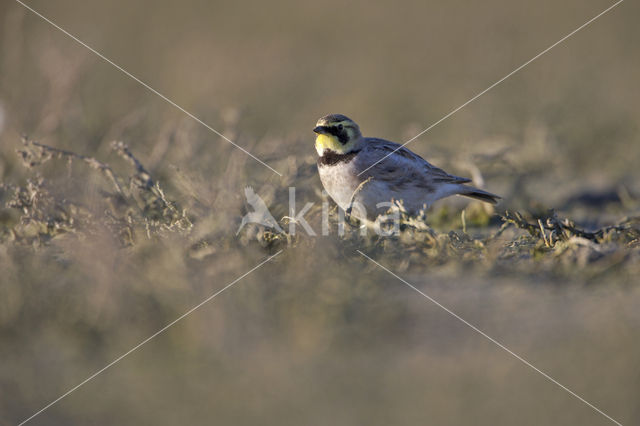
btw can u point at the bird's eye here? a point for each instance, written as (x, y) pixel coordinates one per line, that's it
(340, 126)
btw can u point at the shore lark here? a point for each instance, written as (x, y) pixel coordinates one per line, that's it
(357, 176)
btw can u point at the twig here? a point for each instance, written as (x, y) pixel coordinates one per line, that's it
(142, 173)
(544, 237)
(92, 162)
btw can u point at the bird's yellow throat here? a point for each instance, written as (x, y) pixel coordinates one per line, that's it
(332, 143)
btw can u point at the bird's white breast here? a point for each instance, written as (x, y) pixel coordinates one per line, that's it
(340, 181)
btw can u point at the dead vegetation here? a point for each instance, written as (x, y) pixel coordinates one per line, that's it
(135, 207)
(132, 205)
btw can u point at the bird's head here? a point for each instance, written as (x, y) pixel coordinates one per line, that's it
(338, 134)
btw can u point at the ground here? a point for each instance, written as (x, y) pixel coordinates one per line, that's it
(118, 214)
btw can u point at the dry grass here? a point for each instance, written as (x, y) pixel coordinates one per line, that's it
(103, 243)
(134, 207)
(132, 251)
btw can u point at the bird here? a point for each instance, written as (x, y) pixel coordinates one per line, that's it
(359, 173)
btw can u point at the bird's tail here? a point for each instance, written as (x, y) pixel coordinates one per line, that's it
(478, 194)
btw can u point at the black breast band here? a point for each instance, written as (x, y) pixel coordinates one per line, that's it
(329, 158)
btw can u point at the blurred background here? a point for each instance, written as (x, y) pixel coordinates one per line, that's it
(319, 335)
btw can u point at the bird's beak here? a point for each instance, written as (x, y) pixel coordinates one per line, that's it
(320, 130)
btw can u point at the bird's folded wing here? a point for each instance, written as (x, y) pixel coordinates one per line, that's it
(404, 167)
